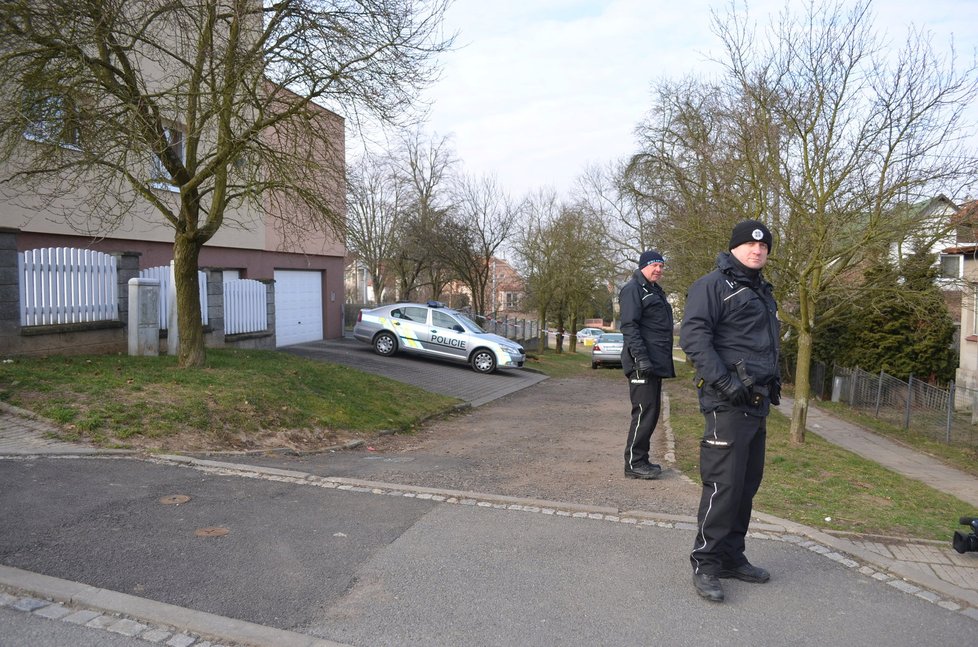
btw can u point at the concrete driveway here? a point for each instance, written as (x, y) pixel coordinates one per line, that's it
(445, 378)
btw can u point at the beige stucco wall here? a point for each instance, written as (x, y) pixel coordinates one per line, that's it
(309, 233)
(28, 211)
(966, 375)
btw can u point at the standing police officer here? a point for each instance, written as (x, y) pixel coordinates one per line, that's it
(646, 358)
(730, 333)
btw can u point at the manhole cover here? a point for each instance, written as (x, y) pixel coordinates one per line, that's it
(174, 499)
(216, 531)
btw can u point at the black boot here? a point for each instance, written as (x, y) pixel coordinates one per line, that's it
(708, 586)
(643, 471)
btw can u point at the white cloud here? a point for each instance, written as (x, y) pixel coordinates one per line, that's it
(538, 89)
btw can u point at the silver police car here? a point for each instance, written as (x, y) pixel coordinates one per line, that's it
(433, 330)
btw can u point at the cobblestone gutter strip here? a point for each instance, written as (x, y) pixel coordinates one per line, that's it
(906, 577)
(57, 599)
(915, 575)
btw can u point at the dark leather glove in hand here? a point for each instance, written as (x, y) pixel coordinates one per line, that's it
(775, 392)
(732, 389)
(643, 365)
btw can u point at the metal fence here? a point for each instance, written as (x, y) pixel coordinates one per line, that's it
(515, 328)
(945, 414)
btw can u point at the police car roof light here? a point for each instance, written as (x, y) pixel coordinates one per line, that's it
(435, 304)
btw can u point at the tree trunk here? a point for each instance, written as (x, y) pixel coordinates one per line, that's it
(799, 414)
(544, 335)
(185, 255)
(572, 334)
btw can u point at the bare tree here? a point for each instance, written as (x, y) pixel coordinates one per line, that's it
(844, 138)
(481, 221)
(219, 99)
(693, 171)
(537, 252)
(816, 131)
(633, 218)
(374, 214)
(561, 256)
(583, 265)
(424, 165)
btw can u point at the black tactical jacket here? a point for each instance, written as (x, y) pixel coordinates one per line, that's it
(730, 317)
(646, 324)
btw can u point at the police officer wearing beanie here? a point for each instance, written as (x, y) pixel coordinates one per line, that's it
(730, 334)
(646, 358)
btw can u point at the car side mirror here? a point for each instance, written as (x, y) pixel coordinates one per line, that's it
(458, 328)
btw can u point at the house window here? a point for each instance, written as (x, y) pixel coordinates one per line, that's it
(974, 309)
(512, 300)
(53, 120)
(951, 266)
(176, 143)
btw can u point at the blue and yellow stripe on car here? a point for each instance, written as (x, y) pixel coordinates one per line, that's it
(410, 342)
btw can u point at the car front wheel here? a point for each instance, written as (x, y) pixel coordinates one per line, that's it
(483, 361)
(385, 344)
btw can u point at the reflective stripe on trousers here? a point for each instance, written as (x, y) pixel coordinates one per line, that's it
(731, 468)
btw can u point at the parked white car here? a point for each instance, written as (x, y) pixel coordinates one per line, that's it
(587, 336)
(433, 330)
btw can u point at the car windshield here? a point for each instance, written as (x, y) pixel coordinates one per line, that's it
(468, 323)
(612, 338)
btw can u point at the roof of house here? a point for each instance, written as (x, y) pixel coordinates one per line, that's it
(961, 249)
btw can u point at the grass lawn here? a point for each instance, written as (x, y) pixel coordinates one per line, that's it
(240, 400)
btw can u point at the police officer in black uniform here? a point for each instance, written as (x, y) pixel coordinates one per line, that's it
(730, 333)
(646, 358)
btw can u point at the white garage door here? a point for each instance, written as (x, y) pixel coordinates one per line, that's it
(298, 307)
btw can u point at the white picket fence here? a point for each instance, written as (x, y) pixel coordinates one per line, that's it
(63, 285)
(162, 274)
(245, 307)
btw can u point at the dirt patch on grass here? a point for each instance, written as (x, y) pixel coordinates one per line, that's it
(298, 440)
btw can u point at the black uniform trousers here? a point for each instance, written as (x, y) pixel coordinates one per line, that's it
(646, 403)
(731, 467)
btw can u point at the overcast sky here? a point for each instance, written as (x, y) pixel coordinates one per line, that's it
(538, 89)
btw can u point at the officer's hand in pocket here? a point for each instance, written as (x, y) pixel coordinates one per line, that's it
(732, 389)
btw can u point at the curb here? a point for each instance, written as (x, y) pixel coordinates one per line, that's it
(207, 625)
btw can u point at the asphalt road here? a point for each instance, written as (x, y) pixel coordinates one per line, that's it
(369, 566)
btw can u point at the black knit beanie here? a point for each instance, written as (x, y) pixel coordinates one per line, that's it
(749, 231)
(649, 257)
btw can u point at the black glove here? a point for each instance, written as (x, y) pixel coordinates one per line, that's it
(775, 392)
(732, 389)
(643, 365)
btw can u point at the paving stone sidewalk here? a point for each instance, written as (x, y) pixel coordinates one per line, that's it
(24, 433)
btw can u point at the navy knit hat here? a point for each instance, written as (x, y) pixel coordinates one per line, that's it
(649, 257)
(749, 231)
